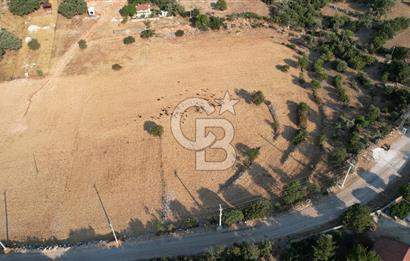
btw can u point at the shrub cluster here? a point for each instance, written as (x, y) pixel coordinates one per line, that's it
(8, 41)
(71, 8)
(23, 7)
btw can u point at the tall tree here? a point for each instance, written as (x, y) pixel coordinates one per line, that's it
(324, 249)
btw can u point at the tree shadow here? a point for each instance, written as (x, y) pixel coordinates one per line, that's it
(244, 94)
(291, 63)
(363, 195)
(293, 111)
(82, 234)
(371, 178)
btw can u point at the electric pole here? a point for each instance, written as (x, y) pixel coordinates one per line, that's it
(220, 217)
(351, 166)
(4, 247)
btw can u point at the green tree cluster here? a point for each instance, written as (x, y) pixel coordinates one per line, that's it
(71, 8)
(8, 41)
(23, 7)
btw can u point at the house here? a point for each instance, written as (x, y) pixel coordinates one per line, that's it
(91, 11)
(392, 250)
(143, 11)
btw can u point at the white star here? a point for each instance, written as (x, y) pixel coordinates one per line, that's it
(227, 104)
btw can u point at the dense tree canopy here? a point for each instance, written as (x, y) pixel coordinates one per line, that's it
(357, 218)
(71, 8)
(23, 7)
(9, 41)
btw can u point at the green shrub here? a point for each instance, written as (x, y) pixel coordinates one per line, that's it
(357, 218)
(293, 193)
(405, 191)
(232, 216)
(215, 23)
(82, 44)
(322, 140)
(34, 44)
(303, 115)
(221, 5)
(300, 136)
(40, 73)
(191, 222)
(8, 41)
(257, 97)
(258, 209)
(338, 157)
(179, 33)
(373, 113)
(23, 7)
(340, 66)
(251, 155)
(71, 8)
(303, 62)
(116, 67)
(128, 10)
(400, 210)
(128, 40)
(147, 34)
(284, 68)
(201, 22)
(315, 84)
(156, 130)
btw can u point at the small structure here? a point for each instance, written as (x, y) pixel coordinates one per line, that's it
(91, 11)
(392, 250)
(164, 13)
(47, 5)
(143, 11)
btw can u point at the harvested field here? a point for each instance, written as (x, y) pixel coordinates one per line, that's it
(83, 132)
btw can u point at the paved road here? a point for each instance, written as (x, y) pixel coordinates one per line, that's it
(363, 189)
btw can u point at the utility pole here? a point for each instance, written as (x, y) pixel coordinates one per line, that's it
(4, 247)
(351, 166)
(220, 217)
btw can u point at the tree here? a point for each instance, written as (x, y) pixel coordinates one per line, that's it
(155, 130)
(400, 210)
(34, 44)
(128, 40)
(128, 10)
(23, 7)
(405, 191)
(215, 22)
(293, 193)
(71, 8)
(324, 249)
(8, 41)
(265, 248)
(82, 44)
(357, 218)
(232, 216)
(338, 157)
(303, 115)
(201, 22)
(303, 62)
(221, 5)
(341, 66)
(397, 71)
(250, 251)
(191, 222)
(315, 84)
(284, 67)
(257, 97)
(179, 33)
(147, 34)
(116, 67)
(300, 136)
(258, 209)
(360, 253)
(251, 155)
(373, 113)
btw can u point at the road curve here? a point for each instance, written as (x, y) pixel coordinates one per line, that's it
(362, 190)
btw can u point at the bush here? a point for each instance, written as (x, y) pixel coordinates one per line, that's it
(293, 193)
(340, 66)
(397, 71)
(191, 222)
(251, 155)
(315, 84)
(71, 8)
(284, 68)
(201, 22)
(82, 44)
(215, 22)
(116, 67)
(400, 210)
(34, 44)
(128, 10)
(257, 97)
(405, 191)
(360, 253)
(303, 115)
(357, 218)
(8, 41)
(303, 62)
(147, 34)
(179, 33)
(221, 5)
(163, 228)
(373, 113)
(23, 7)
(232, 216)
(300, 136)
(128, 40)
(258, 209)
(338, 157)
(156, 130)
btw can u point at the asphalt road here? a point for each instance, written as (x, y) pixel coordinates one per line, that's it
(362, 190)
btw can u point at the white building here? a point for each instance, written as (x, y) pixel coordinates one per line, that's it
(143, 11)
(91, 11)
